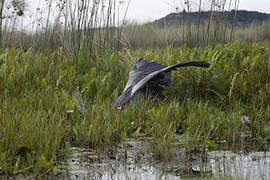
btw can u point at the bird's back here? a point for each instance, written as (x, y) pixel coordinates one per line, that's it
(141, 69)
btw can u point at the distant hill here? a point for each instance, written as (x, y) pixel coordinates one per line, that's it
(243, 17)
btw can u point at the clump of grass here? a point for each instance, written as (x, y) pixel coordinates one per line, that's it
(50, 102)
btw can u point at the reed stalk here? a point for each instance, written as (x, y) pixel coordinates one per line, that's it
(1, 21)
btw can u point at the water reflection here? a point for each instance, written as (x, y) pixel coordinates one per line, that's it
(136, 162)
(255, 165)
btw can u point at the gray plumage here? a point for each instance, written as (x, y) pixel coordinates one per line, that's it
(148, 76)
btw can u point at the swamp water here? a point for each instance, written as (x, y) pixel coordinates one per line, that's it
(133, 160)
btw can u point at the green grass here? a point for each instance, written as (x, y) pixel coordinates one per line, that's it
(204, 105)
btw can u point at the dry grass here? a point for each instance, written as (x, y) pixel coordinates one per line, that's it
(81, 28)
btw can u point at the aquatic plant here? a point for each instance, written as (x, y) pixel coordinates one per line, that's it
(204, 107)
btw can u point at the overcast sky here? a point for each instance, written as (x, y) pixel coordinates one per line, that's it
(147, 10)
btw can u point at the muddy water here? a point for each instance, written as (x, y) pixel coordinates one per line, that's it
(133, 160)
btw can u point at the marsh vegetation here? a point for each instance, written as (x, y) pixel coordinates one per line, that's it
(56, 91)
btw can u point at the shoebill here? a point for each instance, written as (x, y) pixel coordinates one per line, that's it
(146, 76)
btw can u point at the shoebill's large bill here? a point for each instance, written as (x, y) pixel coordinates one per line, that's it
(146, 76)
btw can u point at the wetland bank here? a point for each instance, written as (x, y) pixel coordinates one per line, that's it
(53, 108)
(57, 86)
